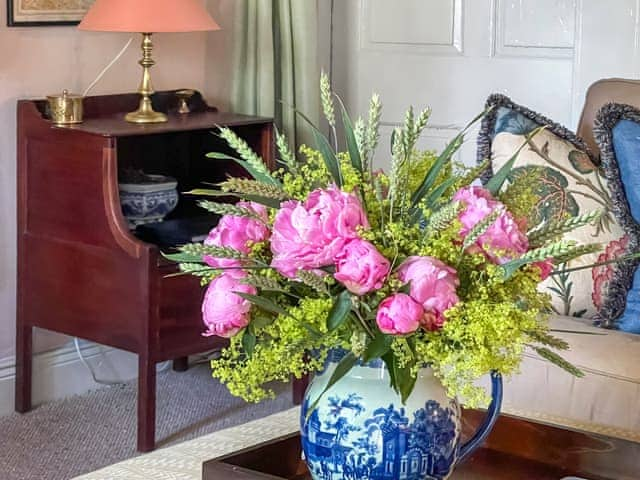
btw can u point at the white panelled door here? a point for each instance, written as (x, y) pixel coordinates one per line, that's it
(452, 54)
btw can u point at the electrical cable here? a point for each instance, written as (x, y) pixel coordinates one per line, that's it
(165, 366)
(106, 69)
(90, 368)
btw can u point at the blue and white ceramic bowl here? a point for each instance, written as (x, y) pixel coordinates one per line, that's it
(149, 201)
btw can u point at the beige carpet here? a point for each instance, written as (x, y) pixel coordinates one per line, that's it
(61, 440)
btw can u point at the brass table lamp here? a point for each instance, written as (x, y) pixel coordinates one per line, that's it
(147, 17)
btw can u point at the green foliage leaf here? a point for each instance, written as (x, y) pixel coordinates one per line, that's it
(328, 155)
(255, 173)
(378, 347)
(330, 159)
(437, 192)
(340, 311)
(405, 381)
(248, 342)
(497, 181)
(183, 257)
(267, 202)
(443, 160)
(345, 365)
(389, 360)
(352, 142)
(263, 303)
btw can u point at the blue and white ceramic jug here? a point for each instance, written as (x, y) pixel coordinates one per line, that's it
(361, 430)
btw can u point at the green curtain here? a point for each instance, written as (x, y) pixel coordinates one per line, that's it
(276, 67)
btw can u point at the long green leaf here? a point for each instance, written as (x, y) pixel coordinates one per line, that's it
(497, 181)
(340, 311)
(330, 159)
(404, 380)
(248, 342)
(346, 364)
(389, 360)
(261, 177)
(267, 202)
(182, 258)
(443, 159)
(378, 347)
(263, 303)
(352, 143)
(437, 193)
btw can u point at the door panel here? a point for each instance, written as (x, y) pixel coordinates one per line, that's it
(452, 54)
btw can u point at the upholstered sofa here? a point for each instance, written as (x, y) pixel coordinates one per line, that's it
(607, 399)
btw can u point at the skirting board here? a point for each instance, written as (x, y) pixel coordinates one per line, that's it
(60, 373)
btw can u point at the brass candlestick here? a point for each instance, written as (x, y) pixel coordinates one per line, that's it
(183, 100)
(145, 112)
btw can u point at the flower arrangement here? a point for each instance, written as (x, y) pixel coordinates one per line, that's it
(417, 266)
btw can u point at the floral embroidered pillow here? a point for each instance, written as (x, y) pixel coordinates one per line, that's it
(617, 131)
(570, 184)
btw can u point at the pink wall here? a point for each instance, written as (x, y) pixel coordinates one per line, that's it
(38, 61)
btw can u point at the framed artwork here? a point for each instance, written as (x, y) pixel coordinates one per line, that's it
(36, 13)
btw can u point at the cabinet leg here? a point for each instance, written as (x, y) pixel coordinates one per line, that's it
(299, 388)
(24, 358)
(146, 404)
(181, 364)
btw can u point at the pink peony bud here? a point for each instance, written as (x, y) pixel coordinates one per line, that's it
(225, 313)
(399, 314)
(360, 267)
(310, 235)
(503, 241)
(433, 285)
(237, 233)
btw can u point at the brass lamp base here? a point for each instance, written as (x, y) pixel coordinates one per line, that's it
(145, 112)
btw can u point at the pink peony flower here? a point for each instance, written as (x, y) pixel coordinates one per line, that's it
(399, 314)
(237, 233)
(225, 313)
(503, 241)
(433, 285)
(546, 267)
(360, 267)
(310, 235)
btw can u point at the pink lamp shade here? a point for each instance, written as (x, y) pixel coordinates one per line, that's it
(148, 16)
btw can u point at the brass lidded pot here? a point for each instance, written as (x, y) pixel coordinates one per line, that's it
(65, 109)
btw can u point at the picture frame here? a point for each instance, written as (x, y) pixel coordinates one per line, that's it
(42, 13)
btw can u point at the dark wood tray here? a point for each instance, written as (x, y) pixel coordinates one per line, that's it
(516, 450)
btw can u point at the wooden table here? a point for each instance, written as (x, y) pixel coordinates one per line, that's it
(81, 271)
(516, 450)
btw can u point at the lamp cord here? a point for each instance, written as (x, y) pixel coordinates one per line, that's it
(163, 367)
(106, 69)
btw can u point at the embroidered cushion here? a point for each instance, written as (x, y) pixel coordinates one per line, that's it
(571, 184)
(617, 131)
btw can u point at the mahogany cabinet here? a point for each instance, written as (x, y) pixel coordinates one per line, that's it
(81, 271)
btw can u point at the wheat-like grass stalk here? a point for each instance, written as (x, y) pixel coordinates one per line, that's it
(326, 96)
(553, 230)
(201, 250)
(246, 186)
(481, 228)
(244, 150)
(228, 209)
(313, 280)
